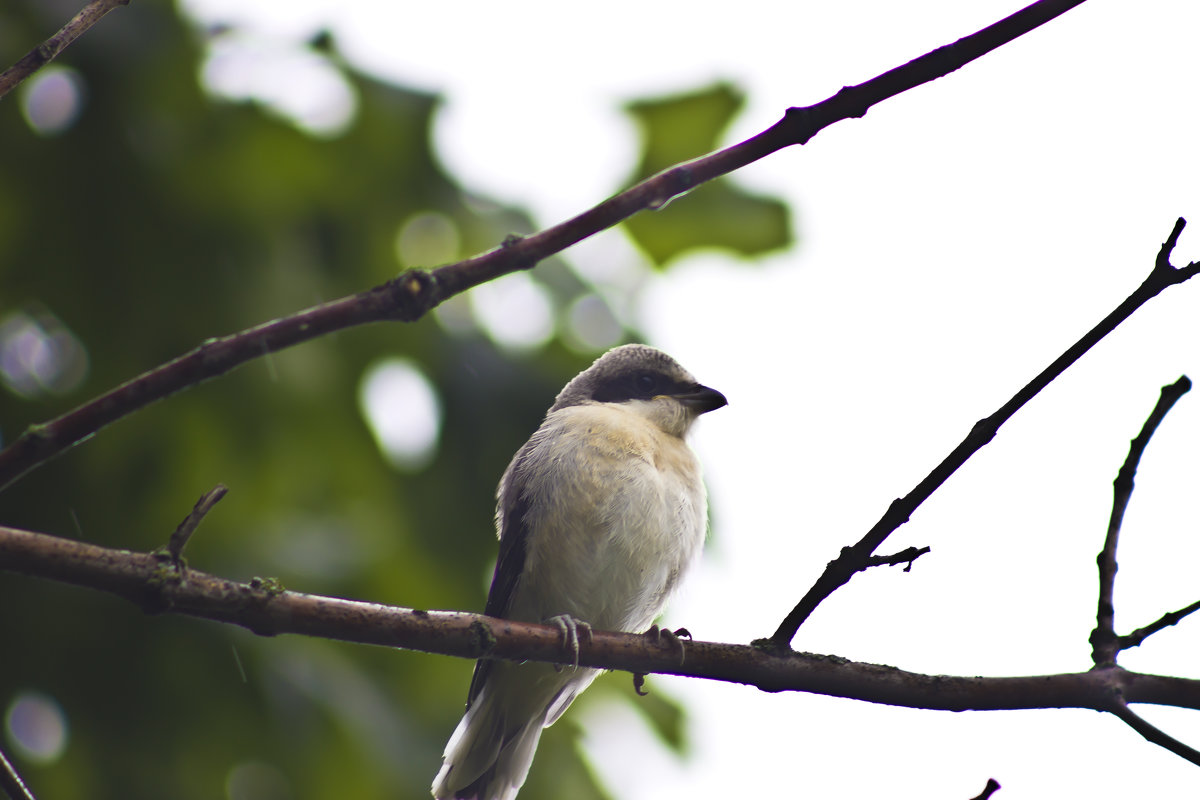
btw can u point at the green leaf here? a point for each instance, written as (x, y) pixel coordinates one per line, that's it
(681, 127)
(719, 214)
(666, 716)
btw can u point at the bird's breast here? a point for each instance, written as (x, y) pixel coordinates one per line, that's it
(617, 513)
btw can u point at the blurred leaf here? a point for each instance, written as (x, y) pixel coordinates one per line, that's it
(559, 770)
(681, 127)
(718, 214)
(164, 216)
(664, 713)
(666, 716)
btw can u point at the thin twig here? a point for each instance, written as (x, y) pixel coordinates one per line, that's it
(48, 50)
(906, 557)
(990, 789)
(1105, 645)
(1153, 734)
(410, 296)
(10, 781)
(1165, 621)
(179, 537)
(839, 571)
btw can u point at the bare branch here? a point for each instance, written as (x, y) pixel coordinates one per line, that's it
(179, 538)
(1165, 621)
(906, 557)
(1104, 641)
(851, 560)
(990, 789)
(267, 609)
(411, 295)
(48, 50)
(10, 781)
(1154, 735)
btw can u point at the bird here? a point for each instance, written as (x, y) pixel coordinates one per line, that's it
(599, 516)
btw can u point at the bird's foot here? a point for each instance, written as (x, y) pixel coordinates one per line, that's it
(670, 638)
(570, 628)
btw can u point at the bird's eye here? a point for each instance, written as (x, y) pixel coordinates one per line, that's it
(632, 386)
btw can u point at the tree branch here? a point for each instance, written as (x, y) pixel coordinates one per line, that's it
(413, 294)
(853, 559)
(1153, 734)
(1165, 621)
(10, 781)
(906, 557)
(48, 50)
(990, 789)
(1104, 640)
(181, 535)
(261, 606)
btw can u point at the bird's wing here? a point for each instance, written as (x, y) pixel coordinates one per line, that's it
(514, 536)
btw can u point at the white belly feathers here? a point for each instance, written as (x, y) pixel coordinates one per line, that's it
(632, 526)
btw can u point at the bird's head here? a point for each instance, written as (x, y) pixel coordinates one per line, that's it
(646, 379)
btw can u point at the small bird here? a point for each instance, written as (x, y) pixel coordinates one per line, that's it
(599, 515)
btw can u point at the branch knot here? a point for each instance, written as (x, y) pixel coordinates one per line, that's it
(408, 296)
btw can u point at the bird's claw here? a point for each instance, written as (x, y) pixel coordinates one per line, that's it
(670, 638)
(570, 627)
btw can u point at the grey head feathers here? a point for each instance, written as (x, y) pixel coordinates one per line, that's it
(637, 372)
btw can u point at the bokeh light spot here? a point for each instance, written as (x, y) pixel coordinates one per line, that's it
(515, 311)
(288, 78)
(52, 100)
(403, 411)
(39, 355)
(456, 316)
(427, 240)
(591, 325)
(37, 727)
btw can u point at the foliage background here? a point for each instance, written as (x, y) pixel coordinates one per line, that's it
(163, 216)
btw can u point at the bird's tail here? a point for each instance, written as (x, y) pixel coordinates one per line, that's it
(486, 759)
(491, 750)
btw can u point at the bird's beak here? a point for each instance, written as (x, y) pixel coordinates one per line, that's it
(701, 399)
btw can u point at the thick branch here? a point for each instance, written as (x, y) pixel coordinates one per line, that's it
(155, 585)
(854, 559)
(48, 50)
(1105, 643)
(410, 296)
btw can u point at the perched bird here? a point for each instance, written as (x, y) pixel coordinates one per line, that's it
(599, 515)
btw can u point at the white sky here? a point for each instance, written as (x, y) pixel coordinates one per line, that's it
(953, 242)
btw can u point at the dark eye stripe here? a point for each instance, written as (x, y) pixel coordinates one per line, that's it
(636, 386)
